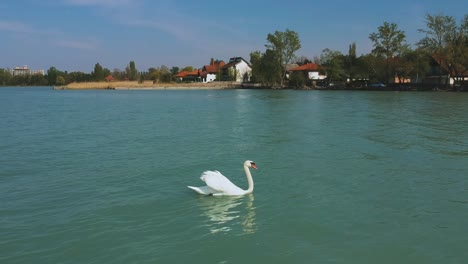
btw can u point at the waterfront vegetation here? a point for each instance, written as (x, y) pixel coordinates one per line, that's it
(427, 64)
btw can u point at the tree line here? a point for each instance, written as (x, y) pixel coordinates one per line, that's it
(442, 52)
(53, 76)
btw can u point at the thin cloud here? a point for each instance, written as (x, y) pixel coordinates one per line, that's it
(24, 28)
(81, 45)
(14, 26)
(171, 28)
(101, 3)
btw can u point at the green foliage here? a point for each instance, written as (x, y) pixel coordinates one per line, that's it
(60, 80)
(231, 74)
(265, 68)
(51, 76)
(187, 68)
(162, 74)
(370, 67)
(412, 64)
(350, 62)
(131, 70)
(284, 45)
(5, 77)
(118, 74)
(78, 77)
(333, 62)
(98, 73)
(174, 70)
(298, 80)
(388, 42)
(448, 42)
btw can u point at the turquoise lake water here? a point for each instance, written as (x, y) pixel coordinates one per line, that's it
(344, 177)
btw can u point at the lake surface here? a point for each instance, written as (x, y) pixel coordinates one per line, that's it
(344, 177)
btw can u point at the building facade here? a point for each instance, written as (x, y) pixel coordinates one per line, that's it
(25, 71)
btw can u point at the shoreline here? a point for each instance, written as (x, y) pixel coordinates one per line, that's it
(148, 85)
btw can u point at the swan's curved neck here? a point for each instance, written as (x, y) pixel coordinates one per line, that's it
(249, 180)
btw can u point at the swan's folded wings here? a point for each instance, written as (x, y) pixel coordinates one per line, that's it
(218, 182)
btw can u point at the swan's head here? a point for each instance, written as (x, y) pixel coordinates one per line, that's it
(250, 164)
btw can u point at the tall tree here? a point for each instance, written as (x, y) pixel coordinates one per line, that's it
(52, 74)
(333, 61)
(98, 73)
(457, 51)
(350, 61)
(388, 42)
(436, 41)
(265, 68)
(284, 44)
(174, 70)
(132, 72)
(5, 77)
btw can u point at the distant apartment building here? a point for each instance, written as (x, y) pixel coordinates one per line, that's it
(25, 71)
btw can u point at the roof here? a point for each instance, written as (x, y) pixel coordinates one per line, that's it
(459, 69)
(307, 67)
(235, 61)
(184, 74)
(213, 67)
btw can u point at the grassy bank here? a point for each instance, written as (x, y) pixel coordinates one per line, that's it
(147, 85)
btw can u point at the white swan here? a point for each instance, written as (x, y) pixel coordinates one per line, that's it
(218, 184)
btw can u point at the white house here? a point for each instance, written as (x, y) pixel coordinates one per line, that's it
(211, 71)
(25, 71)
(238, 68)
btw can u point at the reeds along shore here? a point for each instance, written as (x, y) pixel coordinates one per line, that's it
(119, 85)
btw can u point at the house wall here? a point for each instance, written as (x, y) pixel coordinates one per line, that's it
(242, 68)
(210, 77)
(316, 76)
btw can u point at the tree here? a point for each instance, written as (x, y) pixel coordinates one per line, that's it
(131, 70)
(60, 80)
(265, 68)
(298, 79)
(98, 74)
(333, 61)
(165, 74)
(5, 77)
(350, 61)
(153, 74)
(174, 70)
(187, 68)
(388, 42)
(52, 74)
(457, 51)
(412, 64)
(302, 60)
(370, 67)
(284, 45)
(436, 41)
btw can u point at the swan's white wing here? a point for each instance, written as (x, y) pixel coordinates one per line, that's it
(205, 190)
(215, 180)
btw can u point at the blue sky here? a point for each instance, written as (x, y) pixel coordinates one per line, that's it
(75, 34)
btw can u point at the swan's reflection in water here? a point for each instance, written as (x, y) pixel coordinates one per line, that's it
(226, 214)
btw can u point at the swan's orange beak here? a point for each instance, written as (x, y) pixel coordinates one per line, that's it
(253, 165)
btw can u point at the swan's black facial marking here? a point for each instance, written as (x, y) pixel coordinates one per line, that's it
(253, 165)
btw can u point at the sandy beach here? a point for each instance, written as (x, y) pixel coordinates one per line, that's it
(148, 85)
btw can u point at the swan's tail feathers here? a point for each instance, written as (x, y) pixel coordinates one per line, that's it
(205, 190)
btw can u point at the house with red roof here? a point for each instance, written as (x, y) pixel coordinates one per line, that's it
(189, 76)
(311, 69)
(211, 71)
